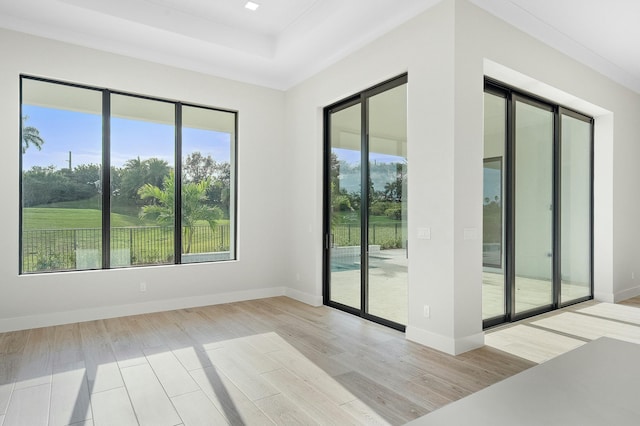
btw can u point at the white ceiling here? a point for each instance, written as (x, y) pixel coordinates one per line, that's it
(286, 41)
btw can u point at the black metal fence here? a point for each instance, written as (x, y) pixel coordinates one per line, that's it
(71, 249)
(387, 235)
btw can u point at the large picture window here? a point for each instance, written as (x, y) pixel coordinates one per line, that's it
(113, 180)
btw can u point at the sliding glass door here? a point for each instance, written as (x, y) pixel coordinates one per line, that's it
(344, 213)
(532, 200)
(537, 209)
(493, 217)
(575, 238)
(366, 204)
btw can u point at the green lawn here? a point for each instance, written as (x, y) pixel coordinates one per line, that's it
(74, 218)
(118, 205)
(354, 217)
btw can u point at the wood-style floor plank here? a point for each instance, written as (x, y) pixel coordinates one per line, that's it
(150, 402)
(174, 378)
(29, 406)
(113, 407)
(227, 398)
(532, 343)
(103, 372)
(364, 413)
(282, 411)
(263, 362)
(36, 363)
(310, 373)
(303, 394)
(634, 301)
(13, 342)
(70, 400)
(390, 405)
(196, 409)
(126, 347)
(9, 365)
(589, 327)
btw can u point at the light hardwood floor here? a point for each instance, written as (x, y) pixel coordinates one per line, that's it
(257, 362)
(546, 336)
(254, 363)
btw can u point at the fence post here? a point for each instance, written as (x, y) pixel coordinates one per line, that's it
(75, 249)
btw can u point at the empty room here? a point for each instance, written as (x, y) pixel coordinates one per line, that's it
(319, 212)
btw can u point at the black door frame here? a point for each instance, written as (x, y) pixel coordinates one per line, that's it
(512, 95)
(362, 99)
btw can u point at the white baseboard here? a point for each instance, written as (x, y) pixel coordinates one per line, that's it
(604, 297)
(627, 294)
(80, 315)
(308, 298)
(617, 297)
(444, 343)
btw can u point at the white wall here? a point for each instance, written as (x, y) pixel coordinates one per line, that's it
(425, 48)
(446, 52)
(33, 300)
(482, 38)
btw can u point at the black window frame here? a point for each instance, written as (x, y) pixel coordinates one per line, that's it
(106, 176)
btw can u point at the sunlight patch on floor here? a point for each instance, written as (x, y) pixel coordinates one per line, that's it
(615, 312)
(531, 343)
(589, 327)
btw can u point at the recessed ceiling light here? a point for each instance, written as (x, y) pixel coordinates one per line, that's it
(252, 6)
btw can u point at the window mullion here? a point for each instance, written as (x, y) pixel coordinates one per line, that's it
(178, 187)
(106, 179)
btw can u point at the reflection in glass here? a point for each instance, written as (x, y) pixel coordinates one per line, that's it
(575, 207)
(207, 192)
(345, 170)
(493, 279)
(387, 251)
(61, 179)
(533, 205)
(142, 181)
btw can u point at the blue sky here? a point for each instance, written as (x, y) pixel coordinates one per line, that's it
(81, 133)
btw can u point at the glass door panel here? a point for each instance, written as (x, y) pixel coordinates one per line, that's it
(387, 213)
(345, 170)
(533, 206)
(493, 253)
(575, 208)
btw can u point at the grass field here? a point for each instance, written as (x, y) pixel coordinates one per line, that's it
(354, 217)
(69, 218)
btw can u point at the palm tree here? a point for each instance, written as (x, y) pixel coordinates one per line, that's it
(30, 136)
(194, 206)
(156, 170)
